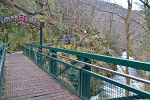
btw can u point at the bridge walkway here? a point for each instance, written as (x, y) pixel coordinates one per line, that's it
(24, 80)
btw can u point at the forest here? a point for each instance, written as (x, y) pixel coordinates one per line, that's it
(94, 26)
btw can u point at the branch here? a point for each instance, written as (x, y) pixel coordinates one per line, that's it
(82, 41)
(140, 25)
(146, 4)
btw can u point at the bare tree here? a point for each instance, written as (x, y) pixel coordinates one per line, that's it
(127, 21)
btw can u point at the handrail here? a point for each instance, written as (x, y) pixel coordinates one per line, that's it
(2, 61)
(82, 81)
(101, 68)
(2, 57)
(113, 60)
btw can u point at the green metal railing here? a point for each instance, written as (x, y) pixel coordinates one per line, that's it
(80, 80)
(2, 62)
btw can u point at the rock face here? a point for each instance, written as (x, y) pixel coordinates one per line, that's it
(28, 5)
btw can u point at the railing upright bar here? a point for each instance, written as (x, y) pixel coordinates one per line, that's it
(85, 78)
(53, 64)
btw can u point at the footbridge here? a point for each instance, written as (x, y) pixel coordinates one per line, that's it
(48, 73)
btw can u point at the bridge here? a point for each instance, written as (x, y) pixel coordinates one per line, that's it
(46, 73)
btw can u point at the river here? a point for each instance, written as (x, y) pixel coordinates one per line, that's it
(132, 72)
(112, 91)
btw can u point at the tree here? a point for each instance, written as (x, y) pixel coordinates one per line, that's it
(127, 21)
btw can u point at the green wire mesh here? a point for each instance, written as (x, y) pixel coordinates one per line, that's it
(68, 75)
(86, 84)
(101, 90)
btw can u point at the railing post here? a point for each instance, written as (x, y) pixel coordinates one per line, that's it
(85, 79)
(41, 36)
(27, 48)
(1, 52)
(39, 57)
(53, 64)
(32, 52)
(29, 51)
(24, 46)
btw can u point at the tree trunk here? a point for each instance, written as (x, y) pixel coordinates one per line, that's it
(45, 19)
(148, 24)
(127, 21)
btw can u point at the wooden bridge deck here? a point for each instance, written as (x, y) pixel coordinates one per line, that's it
(24, 80)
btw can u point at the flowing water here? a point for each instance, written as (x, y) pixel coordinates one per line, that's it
(112, 91)
(132, 72)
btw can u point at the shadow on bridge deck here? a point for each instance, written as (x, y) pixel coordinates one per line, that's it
(24, 80)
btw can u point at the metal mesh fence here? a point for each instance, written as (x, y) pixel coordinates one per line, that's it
(122, 69)
(69, 76)
(66, 74)
(2, 62)
(101, 89)
(90, 85)
(45, 63)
